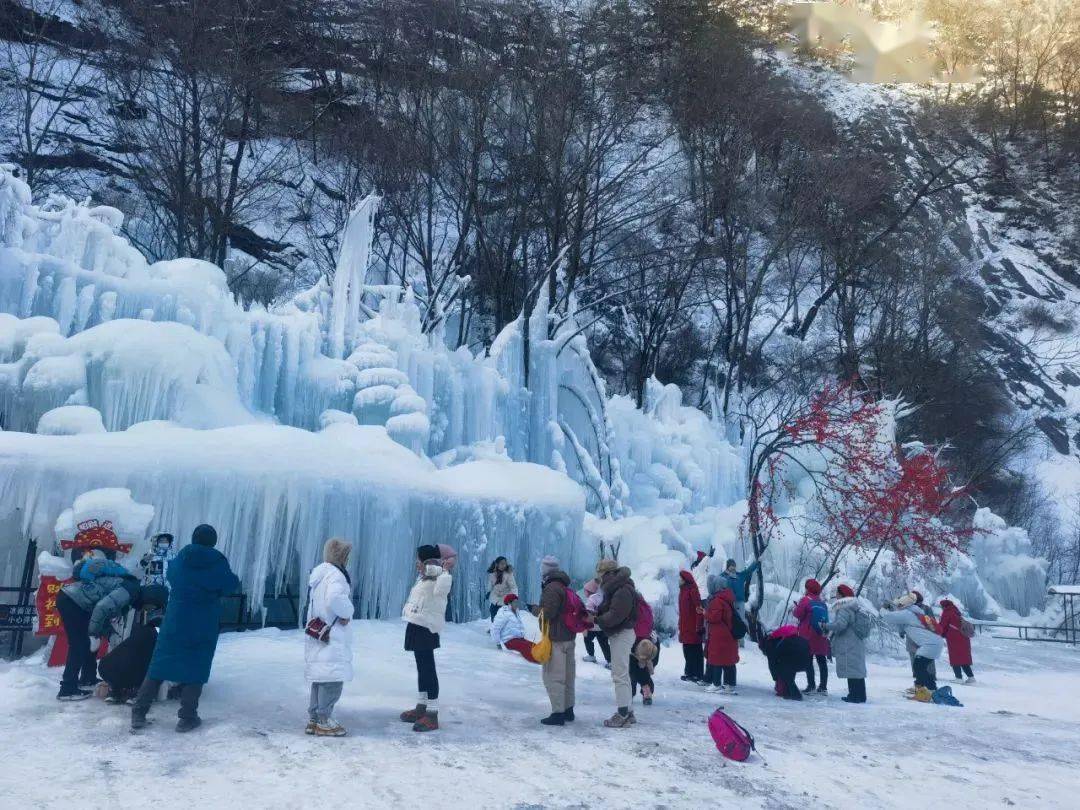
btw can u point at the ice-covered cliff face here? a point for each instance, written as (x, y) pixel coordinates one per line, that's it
(332, 414)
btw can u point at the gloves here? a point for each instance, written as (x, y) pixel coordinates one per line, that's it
(95, 644)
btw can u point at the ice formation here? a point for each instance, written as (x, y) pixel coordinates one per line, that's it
(334, 413)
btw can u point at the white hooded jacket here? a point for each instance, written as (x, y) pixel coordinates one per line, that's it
(426, 605)
(330, 600)
(507, 625)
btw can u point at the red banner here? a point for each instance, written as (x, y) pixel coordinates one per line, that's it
(49, 623)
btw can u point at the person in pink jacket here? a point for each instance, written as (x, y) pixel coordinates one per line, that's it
(812, 612)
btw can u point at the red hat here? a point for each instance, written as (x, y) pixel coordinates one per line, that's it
(844, 590)
(701, 556)
(813, 586)
(510, 597)
(96, 534)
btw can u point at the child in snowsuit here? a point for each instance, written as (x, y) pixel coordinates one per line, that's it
(594, 636)
(848, 630)
(812, 613)
(328, 664)
(644, 656)
(425, 612)
(959, 645)
(508, 630)
(722, 649)
(691, 628)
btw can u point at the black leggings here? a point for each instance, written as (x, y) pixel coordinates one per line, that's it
(963, 669)
(77, 626)
(823, 668)
(493, 609)
(427, 679)
(694, 656)
(590, 647)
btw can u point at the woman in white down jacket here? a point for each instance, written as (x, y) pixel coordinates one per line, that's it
(425, 612)
(328, 664)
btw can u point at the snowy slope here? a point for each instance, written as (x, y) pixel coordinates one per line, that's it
(1011, 744)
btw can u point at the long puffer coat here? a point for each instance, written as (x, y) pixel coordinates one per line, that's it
(330, 600)
(691, 621)
(199, 577)
(722, 650)
(949, 627)
(848, 631)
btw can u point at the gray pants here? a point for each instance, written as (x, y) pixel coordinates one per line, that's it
(148, 692)
(559, 673)
(621, 645)
(324, 696)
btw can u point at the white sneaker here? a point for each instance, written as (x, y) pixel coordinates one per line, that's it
(958, 680)
(590, 658)
(714, 688)
(730, 690)
(970, 680)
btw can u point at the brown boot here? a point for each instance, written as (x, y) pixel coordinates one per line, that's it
(413, 715)
(428, 722)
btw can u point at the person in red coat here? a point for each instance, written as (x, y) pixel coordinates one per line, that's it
(809, 611)
(691, 628)
(959, 644)
(722, 649)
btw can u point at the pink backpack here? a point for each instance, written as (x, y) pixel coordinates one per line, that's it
(732, 740)
(643, 625)
(575, 616)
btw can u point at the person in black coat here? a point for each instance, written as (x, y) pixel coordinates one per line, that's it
(124, 668)
(787, 653)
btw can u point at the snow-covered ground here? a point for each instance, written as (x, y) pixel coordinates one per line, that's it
(1014, 742)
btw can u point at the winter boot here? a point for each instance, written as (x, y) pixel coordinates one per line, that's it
(414, 715)
(568, 715)
(429, 721)
(186, 724)
(139, 721)
(554, 719)
(821, 690)
(331, 728)
(310, 727)
(590, 658)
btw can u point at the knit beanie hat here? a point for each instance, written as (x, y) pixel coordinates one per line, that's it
(204, 535)
(428, 552)
(844, 590)
(510, 597)
(606, 565)
(549, 565)
(813, 587)
(729, 564)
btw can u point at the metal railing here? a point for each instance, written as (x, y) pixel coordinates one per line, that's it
(1024, 632)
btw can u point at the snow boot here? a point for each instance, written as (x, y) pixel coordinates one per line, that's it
(413, 715)
(310, 727)
(331, 728)
(619, 720)
(554, 719)
(72, 695)
(428, 722)
(139, 721)
(568, 715)
(186, 724)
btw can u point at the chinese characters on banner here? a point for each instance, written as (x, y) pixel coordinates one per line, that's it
(48, 616)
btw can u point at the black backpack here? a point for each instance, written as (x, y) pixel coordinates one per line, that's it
(738, 626)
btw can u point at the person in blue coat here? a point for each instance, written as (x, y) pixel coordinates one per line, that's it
(199, 577)
(738, 582)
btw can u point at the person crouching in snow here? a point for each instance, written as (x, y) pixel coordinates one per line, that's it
(508, 630)
(691, 628)
(328, 644)
(951, 628)
(812, 612)
(848, 630)
(644, 656)
(425, 612)
(124, 668)
(721, 649)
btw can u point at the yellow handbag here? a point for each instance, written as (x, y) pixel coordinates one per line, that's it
(541, 650)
